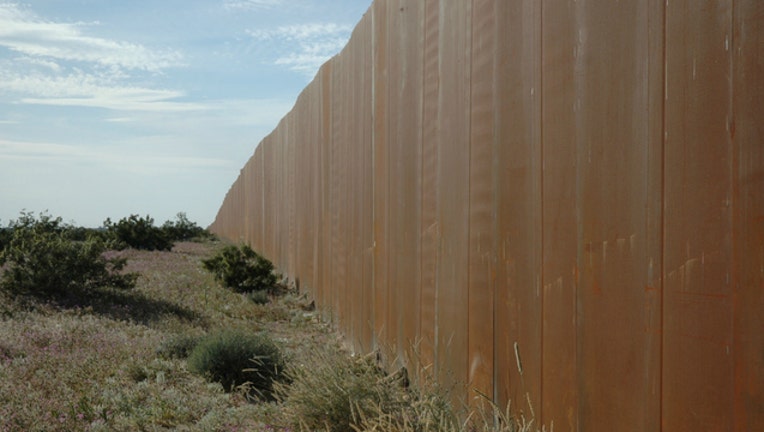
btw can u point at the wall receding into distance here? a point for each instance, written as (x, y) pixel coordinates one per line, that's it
(582, 181)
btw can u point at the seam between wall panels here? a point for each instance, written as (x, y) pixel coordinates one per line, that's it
(372, 82)
(731, 209)
(540, 123)
(422, 170)
(664, 95)
(468, 58)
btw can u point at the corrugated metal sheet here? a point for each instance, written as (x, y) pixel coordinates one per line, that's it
(573, 186)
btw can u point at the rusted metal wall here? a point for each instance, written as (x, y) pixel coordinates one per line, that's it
(580, 182)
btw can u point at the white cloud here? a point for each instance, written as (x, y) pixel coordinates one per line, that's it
(111, 160)
(22, 31)
(302, 32)
(60, 65)
(306, 46)
(90, 90)
(38, 62)
(251, 4)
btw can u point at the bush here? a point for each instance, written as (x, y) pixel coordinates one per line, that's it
(139, 233)
(242, 270)
(234, 359)
(43, 260)
(182, 229)
(5, 237)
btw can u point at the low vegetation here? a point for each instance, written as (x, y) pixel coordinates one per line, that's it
(243, 270)
(42, 260)
(240, 360)
(181, 352)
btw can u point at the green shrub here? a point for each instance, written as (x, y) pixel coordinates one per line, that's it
(5, 237)
(139, 233)
(242, 270)
(183, 229)
(42, 260)
(235, 358)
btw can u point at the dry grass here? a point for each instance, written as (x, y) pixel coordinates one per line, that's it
(91, 364)
(116, 363)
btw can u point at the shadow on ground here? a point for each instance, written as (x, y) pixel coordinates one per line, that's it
(120, 305)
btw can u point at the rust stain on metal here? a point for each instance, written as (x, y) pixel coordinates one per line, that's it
(579, 179)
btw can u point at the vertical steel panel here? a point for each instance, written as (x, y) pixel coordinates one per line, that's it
(614, 352)
(518, 204)
(367, 193)
(268, 225)
(453, 200)
(396, 216)
(354, 149)
(303, 169)
(380, 173)
(560, 216)
(290, 165)
(697, 360)
(338, 207)
(326, 218)
(482, 232)
(259, 204)
(405, 134)
(748, 231)
(314, 188)
(653, 303)
(430, 235)
(352, 122)
(579, 182)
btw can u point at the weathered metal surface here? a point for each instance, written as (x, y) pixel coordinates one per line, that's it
(573, 187)
(518, 319)
(430, 235)
(611, 87)
(453, 209)
(405, 132)
(380, 145)
(748, 214)
(481, 251)
(698, 291)
(560, 209)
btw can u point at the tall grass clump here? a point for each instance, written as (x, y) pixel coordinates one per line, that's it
(42, 260)
(236, 359)
(339, 393)
(242, 269)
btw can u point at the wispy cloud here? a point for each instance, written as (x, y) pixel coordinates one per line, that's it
(114, 160)
(89, 90)
(24, 32)
(251, 4)
(58, 64)
(306, 47)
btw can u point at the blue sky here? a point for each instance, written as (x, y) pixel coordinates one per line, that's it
(110, 108)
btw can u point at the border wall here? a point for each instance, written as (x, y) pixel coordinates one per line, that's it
(581, 180)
